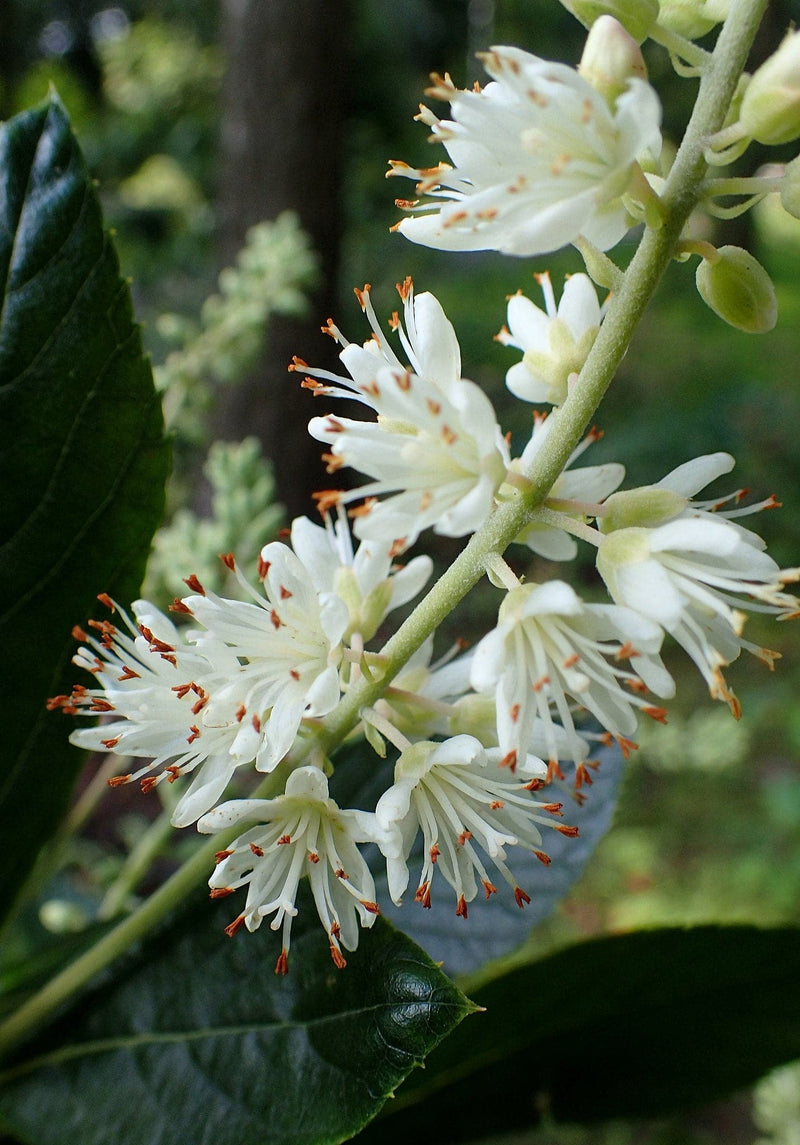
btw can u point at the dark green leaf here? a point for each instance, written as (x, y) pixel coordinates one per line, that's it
(204, 1044)
(631, 1025)
(83, 459)
(495, 926)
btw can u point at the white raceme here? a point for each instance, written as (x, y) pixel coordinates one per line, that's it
(538, 159)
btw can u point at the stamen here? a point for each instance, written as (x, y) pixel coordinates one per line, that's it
(232, 927)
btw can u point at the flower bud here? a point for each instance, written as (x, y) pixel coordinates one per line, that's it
(692, 18)
(739, 290)
(610, 58)
(646, 507)
(636, 16)
(790, 188)
(366, 611)
(770, 111)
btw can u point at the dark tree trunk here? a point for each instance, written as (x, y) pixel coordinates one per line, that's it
(284, 100)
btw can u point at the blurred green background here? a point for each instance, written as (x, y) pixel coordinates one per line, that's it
(195, 118)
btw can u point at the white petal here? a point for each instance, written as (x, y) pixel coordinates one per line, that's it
(436, 343)
(528, 324)
(410, 580)
(694, 475)
(312, 545)
(579, 307)
(232, 812)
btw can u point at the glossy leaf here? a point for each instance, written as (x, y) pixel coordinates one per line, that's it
(203, 1043)
(495, 926)
(83, 460)
(632, 1025)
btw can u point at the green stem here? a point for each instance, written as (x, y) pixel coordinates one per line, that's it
(136, 866)
(61, 988)
(55, 854)
(745, 185)
(570, 524)
(681, 47)
(682, 191)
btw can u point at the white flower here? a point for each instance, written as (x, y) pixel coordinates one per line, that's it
(549, 647)
(538, 156)
(694, 475)
(369, 582)
(586, 487)
(555, 341)
(300, 833)
(461, 798)
(692, 576)
(436, 445)
(287, 645)
(155, 691)
(475, 714)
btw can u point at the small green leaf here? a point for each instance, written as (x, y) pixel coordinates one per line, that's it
(632, 1025)
(495, 926)
(83, 459)
(203, 1043)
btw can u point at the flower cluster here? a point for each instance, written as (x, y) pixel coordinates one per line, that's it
(272, 682)
(538, 158)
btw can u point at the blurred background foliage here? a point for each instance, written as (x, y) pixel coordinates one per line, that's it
(709, 824)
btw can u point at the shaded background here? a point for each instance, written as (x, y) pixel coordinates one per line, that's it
(202, 117)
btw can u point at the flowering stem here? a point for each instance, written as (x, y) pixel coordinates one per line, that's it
(52, 857)
(683, 189)
(705, 250)
(136, 866)
(507, 577)
(745, 185)
(386, 729)
(680, 47)
(569, 524)
(61, 988)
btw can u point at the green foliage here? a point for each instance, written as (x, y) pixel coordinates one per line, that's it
(272, 271)
(154, 63)
(83, 452)
(201, 1042)
(243, 519)
(628, 1025)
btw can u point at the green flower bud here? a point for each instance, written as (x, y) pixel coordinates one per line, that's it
(739, 290)
(366, 612)
(475, 715)
(645, 507)
(770, 111)
(790, 188)
(636, 16)
(610, 58)
(692, 18)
